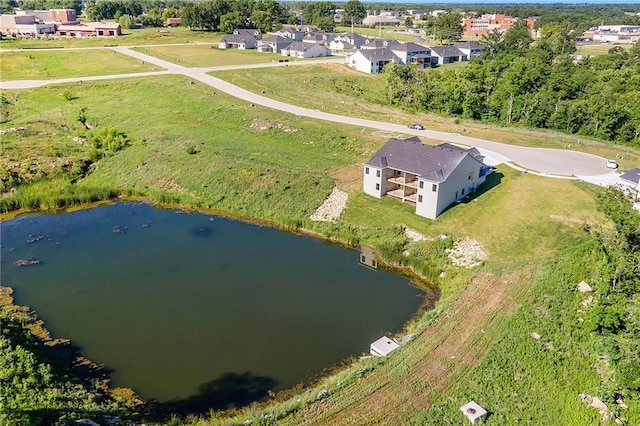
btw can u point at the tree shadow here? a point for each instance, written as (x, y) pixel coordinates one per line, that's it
(230, 390)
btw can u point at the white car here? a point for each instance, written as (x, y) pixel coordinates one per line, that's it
(612, 164)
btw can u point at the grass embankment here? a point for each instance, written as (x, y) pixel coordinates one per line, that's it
(128, 38)
(39, 65)
(339, 89)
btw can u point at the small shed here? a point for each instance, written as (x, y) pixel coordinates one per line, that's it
(383, 346)
(473, 411)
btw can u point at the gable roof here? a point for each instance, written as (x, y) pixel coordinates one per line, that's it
(409, 47)
(380, 43)
(433, 163)
(632, 176)
(274, 39)
(237, 38)
(472, 45)
(445, 51)
(384, 54)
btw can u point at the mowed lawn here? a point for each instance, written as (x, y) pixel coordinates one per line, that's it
(380, 33)
(598, 49)
(199, 55)
(42, 65)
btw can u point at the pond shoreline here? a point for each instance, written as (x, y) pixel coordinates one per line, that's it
(428, 302)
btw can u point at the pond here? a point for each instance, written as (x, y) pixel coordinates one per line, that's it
(189, 306)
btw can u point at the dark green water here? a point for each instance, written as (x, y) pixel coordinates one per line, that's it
(173, 301)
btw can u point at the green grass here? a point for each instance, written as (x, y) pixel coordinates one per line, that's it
(376, 32)
(129, 38)
(597, 50)
(42, 65)
(339, 89)
(209, 55)
(270, 166)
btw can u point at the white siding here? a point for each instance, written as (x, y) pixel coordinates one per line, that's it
(372, 183)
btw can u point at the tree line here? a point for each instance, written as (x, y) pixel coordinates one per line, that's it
(537, 84)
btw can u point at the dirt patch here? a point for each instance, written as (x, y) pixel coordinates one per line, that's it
(348, 177)
(260, 125)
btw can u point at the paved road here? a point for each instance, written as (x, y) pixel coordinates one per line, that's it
(548, 162)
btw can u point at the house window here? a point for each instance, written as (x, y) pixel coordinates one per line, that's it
(364, 259)
(434, 187)
(377, 187)
(421, 184)
(366, 170)
(472, 175)
(419, 198)
(377, 173)
(463, 191)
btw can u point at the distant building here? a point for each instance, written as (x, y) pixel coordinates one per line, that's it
(61, 22)
(173, 22)
(615, 34)
(299, 49)
(379, 20)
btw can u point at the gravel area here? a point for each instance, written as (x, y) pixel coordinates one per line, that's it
(332, 207)
(467, 252)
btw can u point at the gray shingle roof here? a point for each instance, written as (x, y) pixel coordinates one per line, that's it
(632, 175)
(434, 163)
(383, 54)
(445, 51)
(469, 45)
(410, 47)
(237, 38)
(275, 39)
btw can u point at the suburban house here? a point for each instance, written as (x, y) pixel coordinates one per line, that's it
(445, 55)
(413, 53)
(300, 49)
(469, 49)
(379, 43)
(291, 34)
(353, 39)
(429, 177)
(273, 44)
(241, 39)
(319, 38)
(371, 61)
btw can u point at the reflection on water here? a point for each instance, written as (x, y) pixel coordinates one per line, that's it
(368, 258)
(189, 308)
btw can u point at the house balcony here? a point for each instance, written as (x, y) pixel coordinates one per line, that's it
(404, 181)
(402, 195)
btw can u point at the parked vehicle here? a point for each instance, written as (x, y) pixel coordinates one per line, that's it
(416, 126)
(612, 164)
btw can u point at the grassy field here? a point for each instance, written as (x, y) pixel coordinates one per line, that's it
(42, 65)
(129, 38)
(341, 90)
(190, 147)
(208, 56)
(597, 49)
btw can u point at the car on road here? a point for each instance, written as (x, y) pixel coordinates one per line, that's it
(612, 164)
(416, 126)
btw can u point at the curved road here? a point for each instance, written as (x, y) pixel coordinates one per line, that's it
(543, 161)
